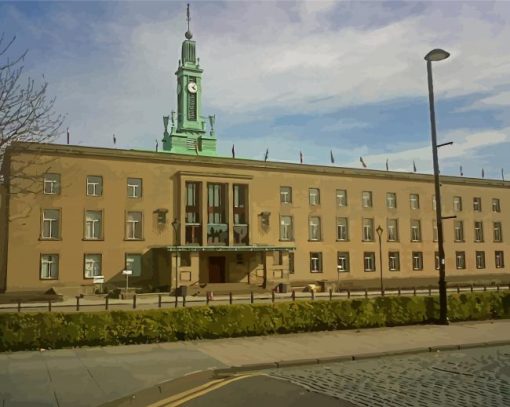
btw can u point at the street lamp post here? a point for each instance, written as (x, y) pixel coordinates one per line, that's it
(379, 231)
(437, 55)
(175, 225)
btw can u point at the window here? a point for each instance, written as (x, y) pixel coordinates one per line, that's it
(342, 229)
(434, 202)
(341, 197)
(414, 200)
(185, 259)
(417, 261)
(498, 232)
(366, 199)
(134, 263)
(49, 267)
(315, 262)
(415, 230)
(134, 187)
(434, 231)
(315, 228)
(436, 260)
(92, 265)
(286, 194)
(496, 207)
(460, 260)
(286, 228)
(480, 260)
(291, 263)
(457, 203)
(368, 230)
(134, 226)
(314, 195)
(50, 224)
(392, 226)
(391, 200)
(369, 261)
(217, 215)
(500, 260)
(458, 227)
(394, 261)
(94, 185)
(343, 262)
(51, 184)
(240, 211)
(93, 225)
(478, 231)
(477, 204)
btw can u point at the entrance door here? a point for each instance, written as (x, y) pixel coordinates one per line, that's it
(216, 269)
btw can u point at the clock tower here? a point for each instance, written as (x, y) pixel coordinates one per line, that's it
(188, 134)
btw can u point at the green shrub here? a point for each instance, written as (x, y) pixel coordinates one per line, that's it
(24, 331)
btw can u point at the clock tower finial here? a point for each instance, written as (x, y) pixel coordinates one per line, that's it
(188, 34)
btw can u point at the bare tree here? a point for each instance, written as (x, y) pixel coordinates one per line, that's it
(26, 112)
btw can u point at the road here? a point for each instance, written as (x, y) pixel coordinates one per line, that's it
(473, 377)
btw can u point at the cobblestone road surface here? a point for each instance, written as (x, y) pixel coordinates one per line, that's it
(473, 377)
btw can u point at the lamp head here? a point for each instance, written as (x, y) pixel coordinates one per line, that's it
(437, 55)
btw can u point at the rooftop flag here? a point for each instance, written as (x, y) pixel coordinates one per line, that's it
(233, 151)
(68, 135)
(332, 157)
(301, 157)
(414, 166)
(267, 154)
(362, 162)
(461, 172)
(483, 173)
(157, 145)
(387, 165)
(114, 140)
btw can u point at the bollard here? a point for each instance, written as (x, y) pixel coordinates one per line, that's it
(49, 305)
(348, 293)
(207, 298)
(106, 300)
(430, 290)
(313, 294)
(399, 291)
(251, 297)
(293, 295)
(134, 301)
(484, 287)
(366, 293)
(272, 296)
(330, 294)
(159, 300)
(471, 287)
(176, 300)
(230, 297)
(19, 305)
(497, 287)
(414, 291)
(183, 300)
(458, 289)
(77, 303)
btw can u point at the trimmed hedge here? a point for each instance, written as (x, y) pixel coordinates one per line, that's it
(24, 331)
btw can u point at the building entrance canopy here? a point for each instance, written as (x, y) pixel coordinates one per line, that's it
(254, 248)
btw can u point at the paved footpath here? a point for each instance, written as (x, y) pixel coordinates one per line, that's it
(92, 376)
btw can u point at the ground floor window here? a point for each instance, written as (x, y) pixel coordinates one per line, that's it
(394, 261)
(500, 260)
(315, 262)
(49, 267)
(480, 260)
(369, 261)
(92, 265)
(417, 261)
(460, 260)
(134, 263)
(343, 262)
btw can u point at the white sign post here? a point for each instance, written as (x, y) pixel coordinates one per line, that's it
(127, 273)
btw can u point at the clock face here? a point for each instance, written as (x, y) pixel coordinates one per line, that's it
(192, 87)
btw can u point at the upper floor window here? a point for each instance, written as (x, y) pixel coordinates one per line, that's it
(477, 204)
(134, 226)
(315, 262)
(216, 200)
(368, 230)
(369, 261)
(49, 267)
(415, 230)
(286, 194)
(480, 260)
(92, 265)
(391, 200)
(417, 261)
(460, 260)
(93, 225)
(342, 229)
(392, 226)
(134, 187)
(134, 263)
(343, 262)
(94, 185)
(499, 258)
(394, 261)
(314, 195)
(496, 207)
(286, 229)
(457, 203)
(366, 199)
(458, 226)
(498, 232)
(414, 200)
(341, 197)
(50, 224)
(240, 208)
(192, 202)
(51, 184)
(315, 228)
(478, 231)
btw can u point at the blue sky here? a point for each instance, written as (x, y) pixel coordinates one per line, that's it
(288, 76)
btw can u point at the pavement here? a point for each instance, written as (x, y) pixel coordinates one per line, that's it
(135, 375)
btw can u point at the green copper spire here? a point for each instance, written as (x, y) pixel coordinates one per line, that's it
(188, 135)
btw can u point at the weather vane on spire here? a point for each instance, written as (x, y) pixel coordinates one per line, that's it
(188, 34)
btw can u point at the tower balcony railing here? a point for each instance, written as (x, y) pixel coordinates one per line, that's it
(193, 233)
(217, 234)
(241, 234)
